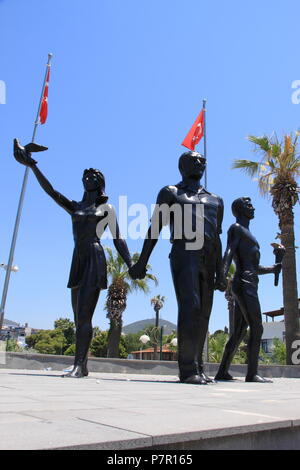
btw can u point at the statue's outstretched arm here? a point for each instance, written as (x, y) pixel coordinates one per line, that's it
(23, 156)
(276, 268)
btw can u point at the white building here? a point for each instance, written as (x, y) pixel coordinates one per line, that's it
(272, 330)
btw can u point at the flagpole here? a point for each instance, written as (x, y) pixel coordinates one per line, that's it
(206, 344)
(20, 207)
(205, 149)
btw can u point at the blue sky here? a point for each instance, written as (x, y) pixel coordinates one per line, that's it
(127, 81)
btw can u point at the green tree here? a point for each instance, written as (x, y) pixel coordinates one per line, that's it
(30, 341)
(48, 342)
(277, 172)
(132, 342)
(121, 285)
(13, 346)
(157, 302)
(68, 329)
(99, 346)
(264, 358)
(216, 346)
(278, 351)
(70, 351)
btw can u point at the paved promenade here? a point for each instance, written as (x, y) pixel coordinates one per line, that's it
(42, 410)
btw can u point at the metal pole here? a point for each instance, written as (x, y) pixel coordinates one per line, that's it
(206, 352)
(19, 211)
(161, 342)
(205, 149)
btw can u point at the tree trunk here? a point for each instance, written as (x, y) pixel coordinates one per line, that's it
(289, 284)
(114, 336)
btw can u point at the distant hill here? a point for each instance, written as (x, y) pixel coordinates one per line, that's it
(140, 325)
(10, 323)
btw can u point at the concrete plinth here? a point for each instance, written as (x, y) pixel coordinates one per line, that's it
(42, 410)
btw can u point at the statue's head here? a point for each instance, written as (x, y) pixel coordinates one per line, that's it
(93, 180)
(192, 165)
(243, 207)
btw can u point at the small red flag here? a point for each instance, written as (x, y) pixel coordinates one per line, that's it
(44, 106)
(196, 133)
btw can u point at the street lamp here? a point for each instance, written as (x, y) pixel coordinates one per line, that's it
(143, 339)
(174, 342)
(14, 269)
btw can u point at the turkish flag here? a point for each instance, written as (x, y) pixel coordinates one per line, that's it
(44, 106)
(196, 133)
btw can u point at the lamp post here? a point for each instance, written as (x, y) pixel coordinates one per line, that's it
(14, 268)
(161, 342)
(158, 303)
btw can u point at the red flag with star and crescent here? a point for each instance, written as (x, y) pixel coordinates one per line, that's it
(196, 132)
(44, 106)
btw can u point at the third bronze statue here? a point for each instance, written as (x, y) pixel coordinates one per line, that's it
(243, 248)
(88, 275)
(196, 270)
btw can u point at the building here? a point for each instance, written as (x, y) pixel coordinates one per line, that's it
(13, 330)
(148, 354)
(272, 330)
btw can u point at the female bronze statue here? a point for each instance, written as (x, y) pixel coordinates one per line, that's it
(88, 274)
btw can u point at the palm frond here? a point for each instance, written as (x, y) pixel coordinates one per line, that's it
(264, 183)
(140, 284)
(275, 151)
(278, 168)
(262, 143)
(249, 167)
(135, 257)
(153, 278)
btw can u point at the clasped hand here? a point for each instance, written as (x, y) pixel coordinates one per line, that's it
(137, 271)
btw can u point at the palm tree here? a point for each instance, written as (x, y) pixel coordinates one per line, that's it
(158, 303)
(121, 285)
(229, 296)
(277, 172)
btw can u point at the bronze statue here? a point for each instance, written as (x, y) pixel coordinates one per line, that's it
(243, 248)
(196, 272)
(88, 274)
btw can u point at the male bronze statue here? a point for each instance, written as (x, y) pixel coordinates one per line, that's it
(196, 271)
(88, 275)
(243, 248)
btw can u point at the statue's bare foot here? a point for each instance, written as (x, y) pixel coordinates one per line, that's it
(194, 380)
(77, 372)
(258, 379)
(224, 376)
(206, 378)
